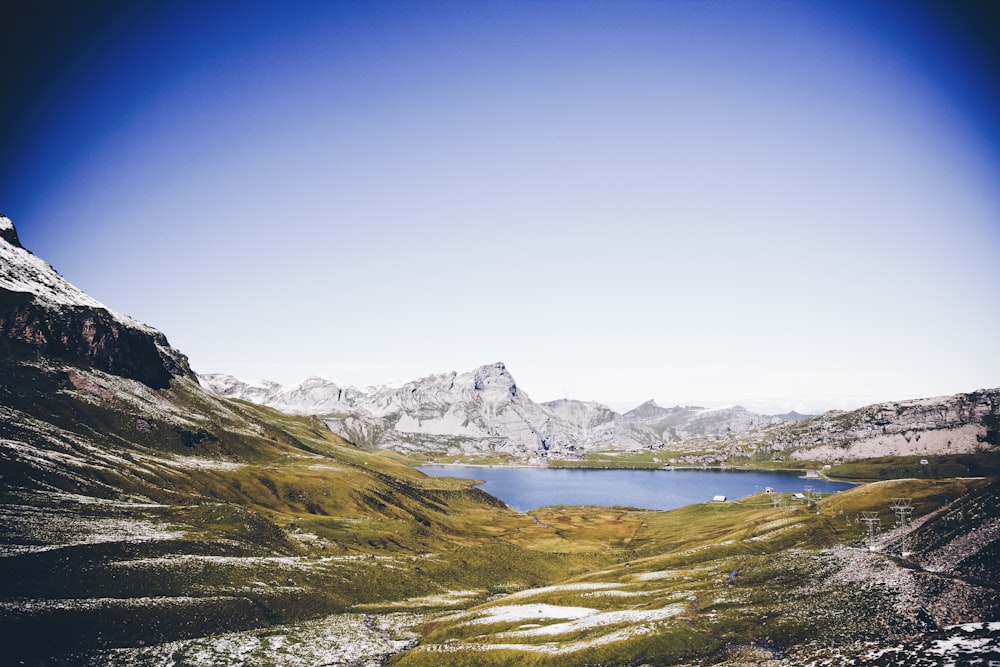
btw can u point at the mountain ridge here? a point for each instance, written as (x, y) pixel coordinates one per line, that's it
(432, 414)
(41, 313)
(447, 412)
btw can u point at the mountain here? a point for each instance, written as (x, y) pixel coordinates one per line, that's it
(664, 421)
(944, 426)
(45, 314)
(681, 423)
(484, 411)
(480, 411)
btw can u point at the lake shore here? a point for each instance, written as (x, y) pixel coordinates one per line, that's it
(524, 488)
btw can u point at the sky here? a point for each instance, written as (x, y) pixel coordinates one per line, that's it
(780, 204)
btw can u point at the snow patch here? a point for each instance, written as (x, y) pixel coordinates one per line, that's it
(521, 612)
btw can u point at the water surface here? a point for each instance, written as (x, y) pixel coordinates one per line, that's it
(529, 488)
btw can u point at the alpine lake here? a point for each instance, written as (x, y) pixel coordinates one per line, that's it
(527, 488)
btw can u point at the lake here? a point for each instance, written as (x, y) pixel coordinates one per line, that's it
(529, 488)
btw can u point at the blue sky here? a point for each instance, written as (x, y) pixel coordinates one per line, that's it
(688, 201)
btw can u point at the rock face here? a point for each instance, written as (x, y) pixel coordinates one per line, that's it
(932, 426)
(593, 425)
(42, 313)
(958, 424)
(734, 419)
(684, 422)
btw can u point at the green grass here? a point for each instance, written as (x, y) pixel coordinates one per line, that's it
(254, 518)
(745, 574)
(983, 463)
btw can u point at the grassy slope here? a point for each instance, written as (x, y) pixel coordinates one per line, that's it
(135, 517)
(724, 582)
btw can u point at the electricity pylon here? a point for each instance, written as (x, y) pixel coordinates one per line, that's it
(903, 508)
(873, 520)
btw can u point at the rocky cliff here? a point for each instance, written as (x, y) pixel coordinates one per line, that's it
(932, 426)
(41, 313)
(941, 426)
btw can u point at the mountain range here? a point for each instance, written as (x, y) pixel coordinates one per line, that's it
(485, 411)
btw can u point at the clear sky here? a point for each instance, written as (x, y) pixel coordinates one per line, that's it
(688, 201)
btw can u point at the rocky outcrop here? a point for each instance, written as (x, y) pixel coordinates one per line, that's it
(43, 314)
(686, 422)
(932, 426)
(82, 335)
(736, 419)
(946, 425)
(663, 421)
(594, 425)
(8, 233)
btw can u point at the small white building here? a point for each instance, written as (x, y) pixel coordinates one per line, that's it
(718, 499)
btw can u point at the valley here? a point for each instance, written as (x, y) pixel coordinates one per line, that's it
(148, 521)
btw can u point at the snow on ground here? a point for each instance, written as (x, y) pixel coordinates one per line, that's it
(966, 644)
(615, 594)
(33, 605)
(33, 529)
(340, 640)
(582, 618)
(296, 562)
(21, 271)
(521, 612)
(531, 592)
(670, 574)
(551, 648)
(446, 599)
(198, 462)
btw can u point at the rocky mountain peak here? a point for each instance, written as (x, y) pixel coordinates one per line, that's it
(492, 377)
(41, 313)
(8, 233)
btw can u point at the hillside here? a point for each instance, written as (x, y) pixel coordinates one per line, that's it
(758, 582)
(139, 508)
(961, 433)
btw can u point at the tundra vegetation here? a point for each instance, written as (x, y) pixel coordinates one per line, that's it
(145, 526)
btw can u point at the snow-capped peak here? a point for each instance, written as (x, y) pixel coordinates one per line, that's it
(21, 271)
(8, 233)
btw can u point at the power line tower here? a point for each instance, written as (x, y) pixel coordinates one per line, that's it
(903, 508)
(873, 521)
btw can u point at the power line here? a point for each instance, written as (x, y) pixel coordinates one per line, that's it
(873, 521)
(903, 508)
